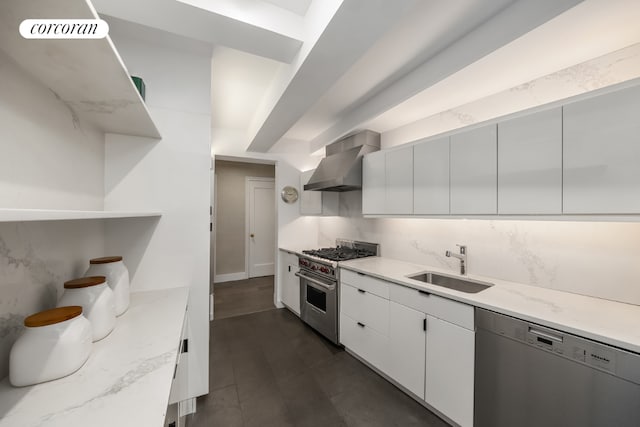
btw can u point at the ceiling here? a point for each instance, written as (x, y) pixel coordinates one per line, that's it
(310, 71)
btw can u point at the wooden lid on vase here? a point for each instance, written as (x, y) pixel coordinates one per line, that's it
(85, 282)
(53, 316)
(105, 260)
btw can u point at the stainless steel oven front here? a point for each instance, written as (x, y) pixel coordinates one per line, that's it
(319, 303)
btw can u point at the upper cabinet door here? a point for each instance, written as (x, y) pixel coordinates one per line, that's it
(530, 164)
(474, 172)
(602, 154)
(373, 183)
(431, 177)
(399, 181)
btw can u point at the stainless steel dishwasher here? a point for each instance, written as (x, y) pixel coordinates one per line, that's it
(527, 375)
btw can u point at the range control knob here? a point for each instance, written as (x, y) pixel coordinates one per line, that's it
(314, 267)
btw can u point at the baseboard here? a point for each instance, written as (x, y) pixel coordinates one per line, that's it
(221, 278)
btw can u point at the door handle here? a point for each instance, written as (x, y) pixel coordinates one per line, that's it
(316, 282)
(544, 334)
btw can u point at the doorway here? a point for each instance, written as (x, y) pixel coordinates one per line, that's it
(260, 225)
(243, 268)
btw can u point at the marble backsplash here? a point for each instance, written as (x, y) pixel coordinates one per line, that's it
(36, 258)
(599, 259)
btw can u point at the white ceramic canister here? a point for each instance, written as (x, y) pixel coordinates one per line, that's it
(117, 276)
(96, 298)
(55, 343)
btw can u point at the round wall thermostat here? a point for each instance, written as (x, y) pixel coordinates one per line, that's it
(289, 194)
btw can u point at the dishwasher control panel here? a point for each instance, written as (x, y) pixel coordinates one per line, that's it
(600, 356)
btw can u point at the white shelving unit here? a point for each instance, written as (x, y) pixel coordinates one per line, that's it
(15, 215)
(87, 75)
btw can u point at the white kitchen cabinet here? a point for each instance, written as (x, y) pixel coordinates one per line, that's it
(406, 363)
(474, 171)
(428, 347)
(289, 282)
(365, 307)
(449, 370)
(321, 203)
(368, 283)
(373, 183)
(601, 153)
(180, 384)
(530, 164)
(399, 181)
(431, 177)
(442, 308)
(387, 182)
(364, 341)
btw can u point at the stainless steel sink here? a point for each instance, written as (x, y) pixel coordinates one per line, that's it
(451, 282)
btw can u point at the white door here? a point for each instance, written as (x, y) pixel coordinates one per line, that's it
(474, 171)
(373, 183)
(290, 282)
(407, 347)
(261, 210)
(601, 148)
(431, 177)
(399, 181)
(530, 164)
(449, 370)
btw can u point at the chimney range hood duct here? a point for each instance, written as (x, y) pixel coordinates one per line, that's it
(341, 169)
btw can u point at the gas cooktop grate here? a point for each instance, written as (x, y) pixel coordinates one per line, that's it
(339, 253)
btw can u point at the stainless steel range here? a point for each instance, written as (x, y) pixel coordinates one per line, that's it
(319, 283)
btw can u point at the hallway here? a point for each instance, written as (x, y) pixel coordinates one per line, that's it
(243, 297)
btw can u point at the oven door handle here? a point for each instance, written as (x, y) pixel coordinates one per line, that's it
(316, 282)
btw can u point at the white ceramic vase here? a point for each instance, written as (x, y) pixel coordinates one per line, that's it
(117, 276)
(96, 298)
(55, 343)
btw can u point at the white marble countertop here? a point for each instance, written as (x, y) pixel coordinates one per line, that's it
(602, 320)
(291, 250)
(126, 380)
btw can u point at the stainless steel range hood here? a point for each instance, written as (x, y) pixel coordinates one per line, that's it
(341, 169)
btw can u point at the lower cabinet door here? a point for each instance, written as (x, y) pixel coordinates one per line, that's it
(292, 289)
(407, 347)
(364, 341)
(449, 370)
(290, 292)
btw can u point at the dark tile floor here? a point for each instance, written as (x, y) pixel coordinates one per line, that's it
(243, 296)
(269, 369)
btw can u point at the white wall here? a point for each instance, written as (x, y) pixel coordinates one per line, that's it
(171, 175)
(48, 160)
(591, 258)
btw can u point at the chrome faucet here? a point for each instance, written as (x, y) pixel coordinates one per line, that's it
(462, 257)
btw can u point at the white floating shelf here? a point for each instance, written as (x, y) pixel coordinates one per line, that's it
(18, 215)
(87, 75)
